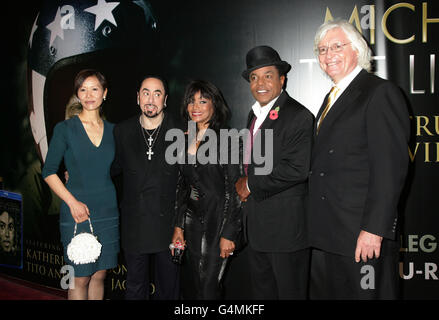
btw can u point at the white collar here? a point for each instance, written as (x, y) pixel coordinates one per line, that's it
(262, 112)
(344, 83)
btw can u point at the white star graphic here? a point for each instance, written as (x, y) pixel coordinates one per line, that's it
(102, 11)
(55, 27)
(34, 28)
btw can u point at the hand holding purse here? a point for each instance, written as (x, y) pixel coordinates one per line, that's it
(84, 247)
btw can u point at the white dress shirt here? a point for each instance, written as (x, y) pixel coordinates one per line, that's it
(262, 112)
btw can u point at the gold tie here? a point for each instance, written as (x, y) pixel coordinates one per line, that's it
(331, 98)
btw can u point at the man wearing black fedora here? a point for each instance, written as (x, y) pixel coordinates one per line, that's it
(274, 203)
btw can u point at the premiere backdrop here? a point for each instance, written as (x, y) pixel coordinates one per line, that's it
(47, 42)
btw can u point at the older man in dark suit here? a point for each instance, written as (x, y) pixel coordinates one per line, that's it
(358, 168)
(274, 208)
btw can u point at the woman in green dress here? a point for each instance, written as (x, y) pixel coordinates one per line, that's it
(86, 144)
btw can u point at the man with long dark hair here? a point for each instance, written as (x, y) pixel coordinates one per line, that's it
(147, 205)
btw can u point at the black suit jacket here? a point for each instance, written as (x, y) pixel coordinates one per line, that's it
(275, 211)
(147, 204)
(358, 167)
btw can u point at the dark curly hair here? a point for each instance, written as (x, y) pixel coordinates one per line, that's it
(209, 91)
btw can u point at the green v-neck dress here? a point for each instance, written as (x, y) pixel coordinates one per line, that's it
(89, 182)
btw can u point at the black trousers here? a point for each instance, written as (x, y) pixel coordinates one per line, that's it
(341, 278)
(165, 282)
(279, 276)
(203, 268)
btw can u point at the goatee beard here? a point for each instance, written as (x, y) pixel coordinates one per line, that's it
(152, 116)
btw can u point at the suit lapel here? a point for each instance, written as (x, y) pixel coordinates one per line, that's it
(269, 123)
(250, 118)
(138, 145)
(343, 103)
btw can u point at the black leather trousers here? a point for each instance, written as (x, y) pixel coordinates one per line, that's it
(203, 264)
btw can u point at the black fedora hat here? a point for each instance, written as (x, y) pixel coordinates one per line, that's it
(263, 56)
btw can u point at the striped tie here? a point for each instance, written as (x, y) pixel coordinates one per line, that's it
(331, 98)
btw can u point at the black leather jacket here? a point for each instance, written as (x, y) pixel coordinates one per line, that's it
(207, 192)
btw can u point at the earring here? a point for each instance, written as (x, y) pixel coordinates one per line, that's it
(105, 98)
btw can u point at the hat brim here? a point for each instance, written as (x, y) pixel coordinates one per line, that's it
(284, 68)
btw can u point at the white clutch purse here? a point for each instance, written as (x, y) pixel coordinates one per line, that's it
(84, 247)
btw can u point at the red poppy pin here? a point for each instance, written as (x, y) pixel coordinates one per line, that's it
(274, 113)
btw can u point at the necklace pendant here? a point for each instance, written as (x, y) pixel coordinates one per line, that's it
(150, 141)
(149, 153)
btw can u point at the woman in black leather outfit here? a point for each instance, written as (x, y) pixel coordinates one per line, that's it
(208, 217)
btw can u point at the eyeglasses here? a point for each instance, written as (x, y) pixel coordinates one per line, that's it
(336, 47)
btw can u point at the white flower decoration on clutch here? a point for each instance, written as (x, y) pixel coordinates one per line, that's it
(84, 247)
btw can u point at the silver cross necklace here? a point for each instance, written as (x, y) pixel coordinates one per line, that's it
(150, 141)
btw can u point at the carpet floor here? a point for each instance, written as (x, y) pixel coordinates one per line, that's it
(17, 289)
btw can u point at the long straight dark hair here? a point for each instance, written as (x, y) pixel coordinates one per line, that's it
(209, 91)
